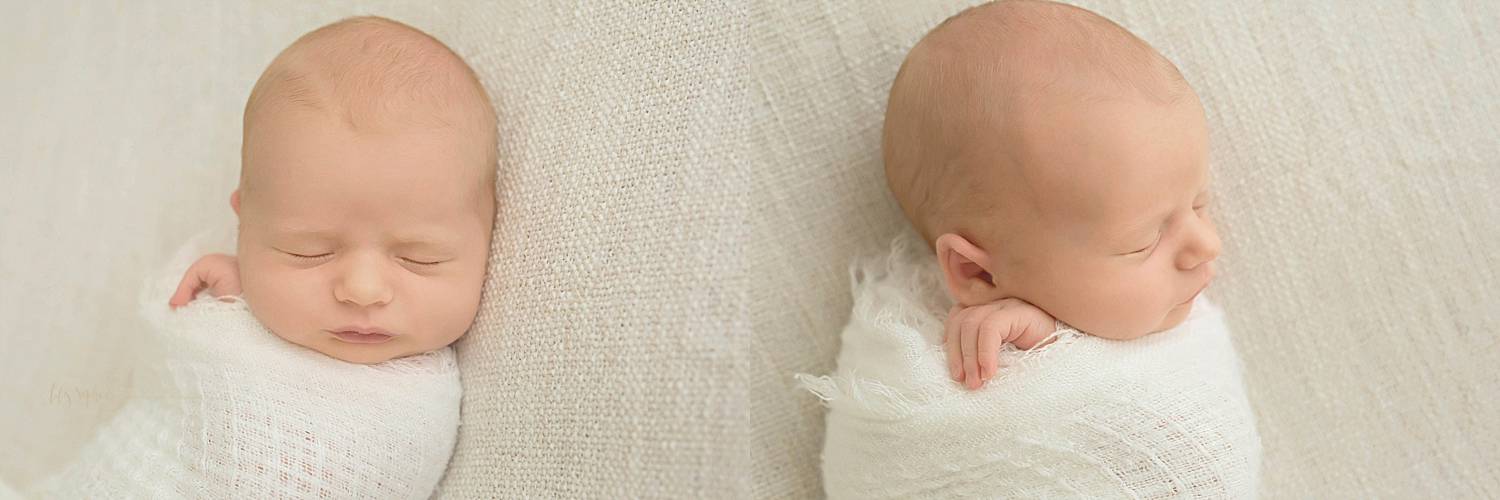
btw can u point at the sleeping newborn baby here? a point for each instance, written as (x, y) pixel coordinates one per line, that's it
(1058, 167)
(365, 212)
(366, 195)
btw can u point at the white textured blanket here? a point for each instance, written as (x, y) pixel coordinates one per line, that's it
(220, 407)
(1164, 416)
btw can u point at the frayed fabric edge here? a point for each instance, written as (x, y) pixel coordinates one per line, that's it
(868, 395)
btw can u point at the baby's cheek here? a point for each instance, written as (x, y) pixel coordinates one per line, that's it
(283, 302)
(454, 305)
(1122, 308)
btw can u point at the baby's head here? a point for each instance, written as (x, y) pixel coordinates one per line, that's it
(366, 196)
(1048, 154)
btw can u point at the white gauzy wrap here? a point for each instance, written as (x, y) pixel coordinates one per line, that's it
(220, 407)
(1163, 416)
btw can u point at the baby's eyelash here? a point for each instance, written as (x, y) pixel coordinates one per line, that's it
(1148, 247)
(420, 263)
(321, 256)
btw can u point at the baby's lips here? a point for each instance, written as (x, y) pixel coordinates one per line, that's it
(374, 336)
(1195, 294)
(363, 330)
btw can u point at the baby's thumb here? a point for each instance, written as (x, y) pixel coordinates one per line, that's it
(184, 293)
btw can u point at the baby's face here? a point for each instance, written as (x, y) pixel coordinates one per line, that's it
(1119, 242)
(346, 232)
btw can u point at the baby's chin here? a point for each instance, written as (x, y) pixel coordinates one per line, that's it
(1174, 317)
(367, 357)
(1169, 320)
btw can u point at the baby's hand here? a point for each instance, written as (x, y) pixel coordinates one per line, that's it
(975, 334)
(219, 272)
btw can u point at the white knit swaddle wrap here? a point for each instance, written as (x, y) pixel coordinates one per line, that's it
(220, 407)
(1163, 416)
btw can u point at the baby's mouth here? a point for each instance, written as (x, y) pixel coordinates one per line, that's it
(361, 335)
(1195, 295)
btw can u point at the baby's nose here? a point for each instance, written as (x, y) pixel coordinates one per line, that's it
(1203, 245)
(364, 283)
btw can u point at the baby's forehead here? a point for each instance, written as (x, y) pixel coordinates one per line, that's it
(311, 156)
(313, 143)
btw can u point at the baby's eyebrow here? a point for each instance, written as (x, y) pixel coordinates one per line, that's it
(422, 239)
(426, 239)
(294, 229)
(1141, 225)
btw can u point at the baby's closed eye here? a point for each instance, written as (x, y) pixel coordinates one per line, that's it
(315, 257)
(1146, 248)
(425, 262)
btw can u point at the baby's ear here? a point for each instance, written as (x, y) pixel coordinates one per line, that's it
(966, 269)
(234, 202)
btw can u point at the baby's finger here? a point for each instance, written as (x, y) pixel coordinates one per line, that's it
(968, 340)
(991, 335)
(950, 344)
(185, 290)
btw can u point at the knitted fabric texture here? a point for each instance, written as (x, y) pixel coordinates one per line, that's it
(220, 407)
(1160, 417)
